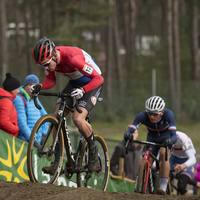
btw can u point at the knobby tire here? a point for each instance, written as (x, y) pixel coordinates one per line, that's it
(141, 180)
(168, 190)
(100, 176)
(36, 160)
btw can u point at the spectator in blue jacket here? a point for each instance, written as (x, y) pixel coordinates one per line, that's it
(27, 113)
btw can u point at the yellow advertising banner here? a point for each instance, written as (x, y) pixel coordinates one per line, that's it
(13, 166)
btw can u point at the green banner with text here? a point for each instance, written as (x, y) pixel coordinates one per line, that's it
(13, 166)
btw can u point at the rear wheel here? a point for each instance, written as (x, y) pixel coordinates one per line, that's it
(37, 159)
(99, 178)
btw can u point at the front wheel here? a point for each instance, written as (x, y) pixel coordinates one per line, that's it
(168, 190)
(99, 178)
(142, 179)
(38, 159)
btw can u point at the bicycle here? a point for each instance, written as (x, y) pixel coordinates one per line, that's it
(144, 178)
(172, 185)
(77, 162)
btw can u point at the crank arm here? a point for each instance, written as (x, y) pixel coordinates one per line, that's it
(87, 177)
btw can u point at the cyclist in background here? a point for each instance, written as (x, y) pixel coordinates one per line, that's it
(85, 84)
(183, 161)
(160, 124)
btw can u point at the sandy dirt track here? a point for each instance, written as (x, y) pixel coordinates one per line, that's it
(36, 191)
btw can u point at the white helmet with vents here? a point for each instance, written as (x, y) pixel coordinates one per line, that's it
(155, 104)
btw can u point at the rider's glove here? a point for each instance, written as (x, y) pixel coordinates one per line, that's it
(128, 136)
(77, 93)
(168, 143)
(35, 89)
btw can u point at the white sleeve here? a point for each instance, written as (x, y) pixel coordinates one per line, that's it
(191, 158)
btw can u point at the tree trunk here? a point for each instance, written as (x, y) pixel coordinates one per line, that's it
(194, 43)
(177, 59)
(170, 54)
(27, 22)
(116, 50)
(42, 24)
(125, 10)
(3, 40)
(53, 17)
(109, 58)
(163, 19)
(133, 13)
(17, 35)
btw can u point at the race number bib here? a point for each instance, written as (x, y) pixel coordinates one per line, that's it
(87, 69)
(185, 146)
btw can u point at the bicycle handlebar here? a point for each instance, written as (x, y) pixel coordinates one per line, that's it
(149, 144)
(126, 146)
(59, 95)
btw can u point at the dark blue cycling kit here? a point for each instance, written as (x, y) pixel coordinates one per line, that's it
(158, 132)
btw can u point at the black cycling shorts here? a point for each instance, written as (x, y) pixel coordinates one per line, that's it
(88, 100)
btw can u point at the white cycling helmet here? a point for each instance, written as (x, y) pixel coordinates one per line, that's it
(155, 104)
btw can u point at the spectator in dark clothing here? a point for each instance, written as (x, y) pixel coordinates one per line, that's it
(131, 160)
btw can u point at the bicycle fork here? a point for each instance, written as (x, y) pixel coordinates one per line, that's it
(149, 173)
(146, 177)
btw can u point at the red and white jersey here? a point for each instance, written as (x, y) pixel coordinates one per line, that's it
(184, 148)
(76, 65)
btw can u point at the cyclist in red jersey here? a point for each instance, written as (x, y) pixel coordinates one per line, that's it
(85, 84)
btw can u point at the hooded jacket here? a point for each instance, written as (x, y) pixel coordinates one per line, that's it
(8, 113)
(28, 115)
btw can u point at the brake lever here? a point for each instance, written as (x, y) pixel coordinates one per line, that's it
(166, 153)
(126, 146)
(75, 103)
(34, 97)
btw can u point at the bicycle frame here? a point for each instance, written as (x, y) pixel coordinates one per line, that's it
(146, 157)
(77, 161)
(72, 162)
(71, 156)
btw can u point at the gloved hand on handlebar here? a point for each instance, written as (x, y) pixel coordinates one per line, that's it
(77, 93)
(128, 136)
(168, 143)
(35, 89)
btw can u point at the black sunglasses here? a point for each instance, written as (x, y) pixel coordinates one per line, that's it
(154, 114)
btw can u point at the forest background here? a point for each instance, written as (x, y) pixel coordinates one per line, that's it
(143, 47)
